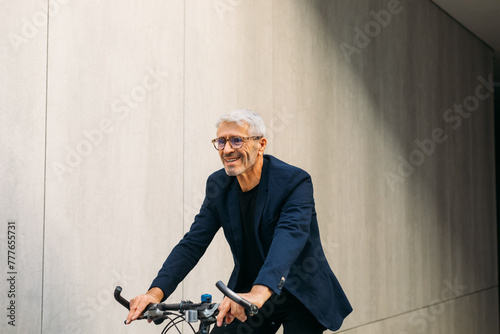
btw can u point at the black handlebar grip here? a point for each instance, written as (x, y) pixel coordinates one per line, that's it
(120, 299)
(251, 308)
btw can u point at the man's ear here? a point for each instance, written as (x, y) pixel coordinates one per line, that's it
(262, 145)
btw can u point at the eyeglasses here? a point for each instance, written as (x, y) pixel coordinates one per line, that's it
(236, 142)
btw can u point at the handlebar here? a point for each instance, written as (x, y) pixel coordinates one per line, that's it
(120, 299)
(205, 312)
(251, 308)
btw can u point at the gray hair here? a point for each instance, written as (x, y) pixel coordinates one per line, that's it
(256, 126)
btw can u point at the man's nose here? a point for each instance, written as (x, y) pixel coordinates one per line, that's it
(227, 147)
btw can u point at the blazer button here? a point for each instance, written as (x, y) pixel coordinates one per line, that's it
(281, 283)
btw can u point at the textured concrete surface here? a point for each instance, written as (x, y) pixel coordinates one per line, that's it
(106, 148)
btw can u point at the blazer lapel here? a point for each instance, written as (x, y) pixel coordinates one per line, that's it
(261, 201)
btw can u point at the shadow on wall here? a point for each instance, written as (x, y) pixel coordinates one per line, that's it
(429, 87)
(497, 156)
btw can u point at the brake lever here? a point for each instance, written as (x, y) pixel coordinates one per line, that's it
(154, 312)
(211, 312)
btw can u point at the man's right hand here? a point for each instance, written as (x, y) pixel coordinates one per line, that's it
(139, 303)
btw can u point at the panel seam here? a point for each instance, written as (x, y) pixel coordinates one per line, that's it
(184, 127)
(45, 169)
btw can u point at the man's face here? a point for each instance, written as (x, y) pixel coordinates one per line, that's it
(241, 160)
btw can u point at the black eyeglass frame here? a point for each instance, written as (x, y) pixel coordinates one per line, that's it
(243, 139)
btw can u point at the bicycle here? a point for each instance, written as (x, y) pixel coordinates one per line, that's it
(204, 312)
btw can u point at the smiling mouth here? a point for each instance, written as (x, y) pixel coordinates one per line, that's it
(230, 160)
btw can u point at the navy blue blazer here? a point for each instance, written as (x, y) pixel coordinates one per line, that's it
(287, 229)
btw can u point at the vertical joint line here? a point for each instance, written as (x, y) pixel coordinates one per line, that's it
(45, 169)
(183, 125)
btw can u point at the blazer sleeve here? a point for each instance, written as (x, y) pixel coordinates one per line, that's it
(186, 254)
(291, 233)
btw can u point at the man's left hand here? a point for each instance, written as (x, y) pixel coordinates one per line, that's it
(229, 309)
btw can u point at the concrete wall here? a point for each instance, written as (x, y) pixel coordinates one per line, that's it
(108, 112)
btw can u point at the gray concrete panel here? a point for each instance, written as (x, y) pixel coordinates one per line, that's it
(22, 162)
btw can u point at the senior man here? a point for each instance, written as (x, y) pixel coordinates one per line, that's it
(266, 210)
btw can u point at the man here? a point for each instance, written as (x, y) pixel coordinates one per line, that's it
(266, 210)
